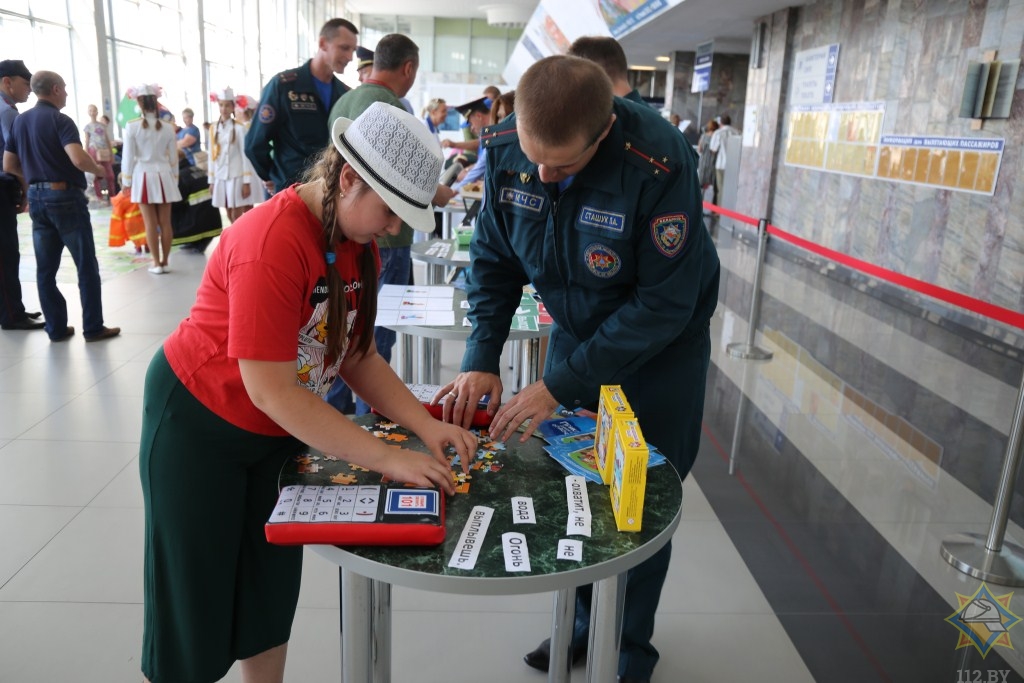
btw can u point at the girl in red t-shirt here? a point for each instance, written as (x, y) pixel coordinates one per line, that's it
(238, 387)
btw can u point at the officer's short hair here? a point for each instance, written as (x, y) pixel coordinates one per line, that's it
(332, 26)
(603, 51)
(393, 51)
(562, 98)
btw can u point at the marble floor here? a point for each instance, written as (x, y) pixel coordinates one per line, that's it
(808, 547)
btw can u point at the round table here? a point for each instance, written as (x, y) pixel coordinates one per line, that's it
(526, 470)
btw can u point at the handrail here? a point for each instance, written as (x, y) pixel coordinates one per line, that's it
(984, 308)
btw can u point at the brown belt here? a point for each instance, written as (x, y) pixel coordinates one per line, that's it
(50, 186)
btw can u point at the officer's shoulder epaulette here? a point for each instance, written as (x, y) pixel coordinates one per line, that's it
(499, 134)
(288, 76)
(642, 153)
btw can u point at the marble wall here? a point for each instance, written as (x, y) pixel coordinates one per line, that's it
(912, 55)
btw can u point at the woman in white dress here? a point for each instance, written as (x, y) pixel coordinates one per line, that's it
(149, 167)
(232, 179)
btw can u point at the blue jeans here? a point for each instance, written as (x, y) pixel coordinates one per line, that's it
(395, 269)
(60, 218)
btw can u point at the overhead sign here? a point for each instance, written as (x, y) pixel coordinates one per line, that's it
(702, 67)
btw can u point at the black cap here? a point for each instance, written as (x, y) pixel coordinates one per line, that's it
(364, 56)
(476, 105)
(15, 67)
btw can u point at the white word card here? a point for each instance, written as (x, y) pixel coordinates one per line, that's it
(517, 555)
(570, 549)
(468, 548)
(522, 510)
(579, 506)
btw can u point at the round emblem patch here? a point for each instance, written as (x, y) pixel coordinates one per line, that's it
(669, 231)
(267, 113)
(602, 261)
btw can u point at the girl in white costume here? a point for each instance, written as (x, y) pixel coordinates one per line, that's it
(232, 179)
(149, 167)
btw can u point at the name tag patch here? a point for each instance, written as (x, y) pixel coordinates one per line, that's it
(602, 260)
(669, 232)
(598, 218)
(524, 200)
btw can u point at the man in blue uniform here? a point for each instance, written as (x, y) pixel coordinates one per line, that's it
(290, 127)
(601, 212)
(14, 89)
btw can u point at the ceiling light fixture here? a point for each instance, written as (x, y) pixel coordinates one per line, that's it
(662, 59)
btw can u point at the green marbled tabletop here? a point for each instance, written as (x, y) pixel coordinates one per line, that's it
(518, 470)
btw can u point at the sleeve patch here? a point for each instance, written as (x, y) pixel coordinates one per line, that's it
(669, 232)
(267, 113)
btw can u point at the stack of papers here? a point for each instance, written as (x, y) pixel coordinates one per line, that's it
(409, 305)
(571, 443)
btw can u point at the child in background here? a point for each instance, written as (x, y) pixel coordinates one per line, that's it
(232, 179)
(149, 166)
(97, 144)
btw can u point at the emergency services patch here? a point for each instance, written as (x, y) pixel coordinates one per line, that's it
(669, 232)
(524, 200)
(601, 260)
(267, 113)
(599, 218)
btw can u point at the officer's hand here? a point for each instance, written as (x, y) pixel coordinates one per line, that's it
(534, 403)
(462, 395)
(269, 184)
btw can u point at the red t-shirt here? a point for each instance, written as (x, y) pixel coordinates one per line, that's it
(265, 285)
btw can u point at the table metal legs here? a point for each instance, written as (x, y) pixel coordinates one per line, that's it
(562, 616)
(605, 628)
(366, 634)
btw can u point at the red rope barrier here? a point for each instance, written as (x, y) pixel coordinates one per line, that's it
(730, 214)
(1003, 315)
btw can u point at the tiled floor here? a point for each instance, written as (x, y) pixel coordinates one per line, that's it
(857, 449)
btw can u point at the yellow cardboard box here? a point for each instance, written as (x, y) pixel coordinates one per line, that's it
(612, 406)
(629, 475)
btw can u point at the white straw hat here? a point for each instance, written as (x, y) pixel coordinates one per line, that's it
(397, 156)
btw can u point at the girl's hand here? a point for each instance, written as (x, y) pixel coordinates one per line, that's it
(419, 469)
(438, 435)
(246, 191)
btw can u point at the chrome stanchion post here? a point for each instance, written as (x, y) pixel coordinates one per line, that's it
(989, 558)
(749, 351)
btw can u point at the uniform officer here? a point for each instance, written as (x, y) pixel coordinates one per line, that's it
(14, 89)
(601, 212)
(364, 65)
(291, 122)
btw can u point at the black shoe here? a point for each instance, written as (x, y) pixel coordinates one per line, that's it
(539, 658)
(25, 324)
(68, 333)
(105, 333)
(627, 679)
(35, 315)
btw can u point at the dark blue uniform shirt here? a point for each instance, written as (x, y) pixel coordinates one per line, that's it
(38, 137)
(290, 127)
(621, 259)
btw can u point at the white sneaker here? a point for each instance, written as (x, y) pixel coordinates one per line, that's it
(156, 270)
